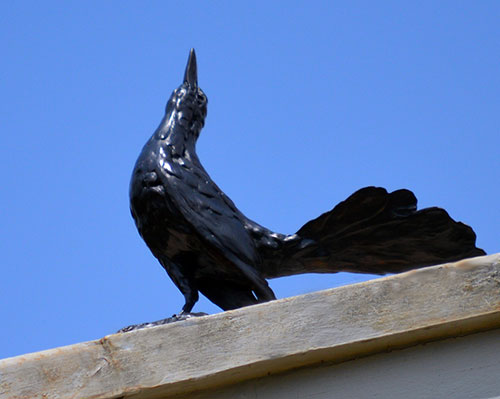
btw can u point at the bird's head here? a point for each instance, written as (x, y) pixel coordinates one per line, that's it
(188, 101)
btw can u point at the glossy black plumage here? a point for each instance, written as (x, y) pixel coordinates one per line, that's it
(207, 245)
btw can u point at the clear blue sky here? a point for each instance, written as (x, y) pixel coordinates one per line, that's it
(308, 102)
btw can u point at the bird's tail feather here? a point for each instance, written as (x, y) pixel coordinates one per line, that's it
(374, 232)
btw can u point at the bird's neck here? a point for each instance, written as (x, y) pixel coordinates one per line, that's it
(174, 132)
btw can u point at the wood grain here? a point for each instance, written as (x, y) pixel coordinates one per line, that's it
(327, 326)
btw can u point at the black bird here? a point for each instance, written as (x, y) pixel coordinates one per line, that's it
(207, 245)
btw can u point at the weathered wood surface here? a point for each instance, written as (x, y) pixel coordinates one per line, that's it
(327, 326)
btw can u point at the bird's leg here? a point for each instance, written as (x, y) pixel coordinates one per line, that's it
(191, 296)
(187, 288)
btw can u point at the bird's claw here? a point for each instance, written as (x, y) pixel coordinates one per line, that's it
(176, 317)
(187, 315)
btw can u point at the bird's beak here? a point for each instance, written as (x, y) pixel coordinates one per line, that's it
(191, 74)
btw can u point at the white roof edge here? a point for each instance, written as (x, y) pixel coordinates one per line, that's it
(326, 326)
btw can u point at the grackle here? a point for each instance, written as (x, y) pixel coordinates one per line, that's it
(207, 245)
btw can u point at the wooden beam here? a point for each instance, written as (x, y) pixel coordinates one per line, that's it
(327, 326)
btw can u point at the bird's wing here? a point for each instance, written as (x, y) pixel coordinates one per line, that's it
(209, 211)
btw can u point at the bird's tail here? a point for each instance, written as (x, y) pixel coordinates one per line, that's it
(374, 232)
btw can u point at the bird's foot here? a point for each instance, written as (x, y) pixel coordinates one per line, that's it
(187, 315)
(176, 317)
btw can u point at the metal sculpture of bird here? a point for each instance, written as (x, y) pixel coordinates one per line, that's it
(207, 245)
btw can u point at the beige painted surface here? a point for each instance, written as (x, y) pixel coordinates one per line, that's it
(328, 326)
(457, 368)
